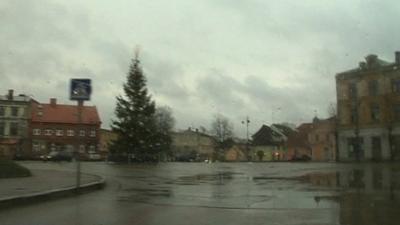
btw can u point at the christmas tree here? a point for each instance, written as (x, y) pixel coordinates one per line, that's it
(135, 122)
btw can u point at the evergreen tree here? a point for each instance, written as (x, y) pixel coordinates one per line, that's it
(135, 119)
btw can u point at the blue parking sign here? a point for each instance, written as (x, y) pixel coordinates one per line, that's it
(80, 89)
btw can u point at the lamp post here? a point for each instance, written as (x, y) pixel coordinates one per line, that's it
(247, 121)
(80, 91)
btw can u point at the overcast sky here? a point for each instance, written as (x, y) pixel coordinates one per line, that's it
(271, 60)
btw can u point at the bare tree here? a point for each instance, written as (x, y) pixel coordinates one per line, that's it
(165, 123)
(221, 128)
(164, 118)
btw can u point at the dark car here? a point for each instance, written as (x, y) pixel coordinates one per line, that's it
(57, 156)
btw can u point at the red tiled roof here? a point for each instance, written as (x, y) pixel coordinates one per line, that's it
(59, 113)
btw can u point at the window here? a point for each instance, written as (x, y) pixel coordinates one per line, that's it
(48, 132)
(81, 148)
(36, 147)
(14, 111)
(2, 111)
(354, 115)
(13, 129)
(373, 87)
(59, 132)
(36, 131)
(2, 128)
(396, 112)
(396, 85)
(375, 112)
(70, 133)
(93, 133)
(316, 137)
(82, 133)
(92, 149)
(355, 148)
(353, 90)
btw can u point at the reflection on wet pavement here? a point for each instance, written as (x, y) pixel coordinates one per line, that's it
(360, 195)
(368, 195)
(280, 193)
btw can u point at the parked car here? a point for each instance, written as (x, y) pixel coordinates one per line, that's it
(94, 157)
(57, 156)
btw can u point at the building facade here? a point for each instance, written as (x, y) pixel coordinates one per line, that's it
(57, 127)
(368, 104)
(297, 143)
(192, 145)
(14, 125)
(106, 138)
(322, 139)
(270, 142)
(236, 153)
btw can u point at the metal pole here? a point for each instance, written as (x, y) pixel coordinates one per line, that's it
(247, 138)
(78, 163)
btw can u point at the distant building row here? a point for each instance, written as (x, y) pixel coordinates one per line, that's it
(311, 141)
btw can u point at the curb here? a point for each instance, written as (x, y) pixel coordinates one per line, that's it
(8, 202)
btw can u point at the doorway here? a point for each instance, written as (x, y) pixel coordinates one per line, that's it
(376, 149)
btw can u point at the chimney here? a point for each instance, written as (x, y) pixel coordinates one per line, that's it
(53, 102)
(397, 57)
(10, 94)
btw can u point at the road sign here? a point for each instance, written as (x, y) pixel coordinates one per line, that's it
(80, 89)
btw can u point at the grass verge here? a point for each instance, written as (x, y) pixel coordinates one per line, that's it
(10, 169)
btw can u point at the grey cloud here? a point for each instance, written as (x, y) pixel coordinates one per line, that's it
(268, 54)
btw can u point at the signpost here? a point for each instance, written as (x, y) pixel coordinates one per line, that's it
(80, 91)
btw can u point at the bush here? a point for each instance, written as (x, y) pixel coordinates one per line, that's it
(10, 169)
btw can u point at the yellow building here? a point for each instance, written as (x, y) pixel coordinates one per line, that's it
(236, 153)
(106, 137)
(192, 145)
(368, 104)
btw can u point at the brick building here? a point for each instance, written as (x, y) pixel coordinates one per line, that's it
(298, 144)
(322, 139)
(56, 127)
(368, 103)
(14, 124)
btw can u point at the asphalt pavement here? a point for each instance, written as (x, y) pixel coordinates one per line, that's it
(223, 193)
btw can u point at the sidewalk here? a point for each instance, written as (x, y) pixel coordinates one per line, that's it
(44, 183)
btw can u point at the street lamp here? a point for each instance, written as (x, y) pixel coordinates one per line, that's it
(247, 121)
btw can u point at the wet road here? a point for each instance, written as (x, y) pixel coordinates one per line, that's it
(225, 193)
